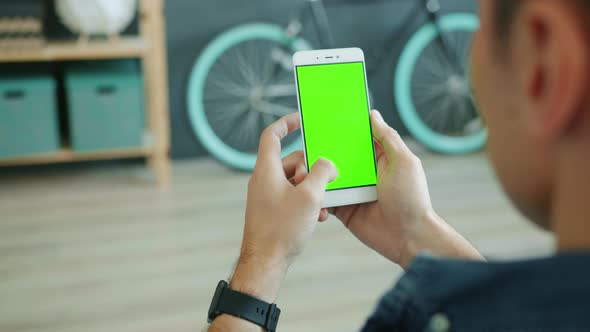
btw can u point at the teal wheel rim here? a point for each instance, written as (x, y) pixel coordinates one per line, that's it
(403, 94)
(198, 76)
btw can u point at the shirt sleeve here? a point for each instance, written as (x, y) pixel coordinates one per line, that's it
(385, 316)
(396, 311)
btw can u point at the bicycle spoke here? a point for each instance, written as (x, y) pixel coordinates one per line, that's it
(246, 91)
(222, 116)
(470, 117)
(432, 67)
(442, 60)
(222, 80)
(245, 67)
(240, 129)
(279, 90)
(274, 65)
(255, 51)
(455, 112)
(450, 51)
(219, 89)
(454, 121)
(232, 135)
(445, 110)
(437, 85)
(429, 106)
(256, 127)
(463, 44)
(247, 133)
(225, 123)
(269, 69)
(234, 62)
(225, 68)
(435, 117)
(270, 108)
(265, 59)
(423, 101)
(429, 89)
(213, 95)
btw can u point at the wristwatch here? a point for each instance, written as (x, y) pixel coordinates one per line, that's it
(228, 301)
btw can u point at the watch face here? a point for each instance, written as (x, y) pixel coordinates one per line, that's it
(213, 311)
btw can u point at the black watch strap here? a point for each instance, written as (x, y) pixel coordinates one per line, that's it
(244, 306)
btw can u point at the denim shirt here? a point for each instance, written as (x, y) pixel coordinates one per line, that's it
(548, 294)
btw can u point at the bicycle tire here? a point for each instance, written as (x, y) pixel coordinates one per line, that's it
(403, 90)
(195, 91)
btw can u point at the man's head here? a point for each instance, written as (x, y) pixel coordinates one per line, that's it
(531, 77)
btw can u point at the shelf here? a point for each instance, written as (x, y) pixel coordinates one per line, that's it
(67, 155)
(122, 47)
(150, 47)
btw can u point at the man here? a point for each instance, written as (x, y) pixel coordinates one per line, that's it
(531, 77)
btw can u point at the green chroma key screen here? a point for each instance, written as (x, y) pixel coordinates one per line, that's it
(336, 124)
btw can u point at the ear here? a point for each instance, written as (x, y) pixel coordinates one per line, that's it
(556, 77)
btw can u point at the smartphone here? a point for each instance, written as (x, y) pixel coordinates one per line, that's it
(334, 107)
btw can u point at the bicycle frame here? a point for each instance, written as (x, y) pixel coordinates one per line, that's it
(433, 8)
(325, 35)
(320, 19)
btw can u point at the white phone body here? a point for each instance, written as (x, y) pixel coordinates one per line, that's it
(346, 196)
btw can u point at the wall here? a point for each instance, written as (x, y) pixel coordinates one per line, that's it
(366, 24)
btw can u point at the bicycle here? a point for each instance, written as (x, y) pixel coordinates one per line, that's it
(243, 81)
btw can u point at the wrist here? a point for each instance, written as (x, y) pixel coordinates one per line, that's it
(437, 237)
(417, 240)
(260, 277)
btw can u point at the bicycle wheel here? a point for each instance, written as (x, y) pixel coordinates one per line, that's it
(432, 90)
(242, 82)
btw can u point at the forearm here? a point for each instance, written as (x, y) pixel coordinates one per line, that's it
(258, 278)
(439, 238)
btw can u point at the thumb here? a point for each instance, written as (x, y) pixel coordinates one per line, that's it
(322, 172)
(392, 143)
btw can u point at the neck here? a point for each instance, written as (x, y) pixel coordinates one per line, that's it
(571, 204)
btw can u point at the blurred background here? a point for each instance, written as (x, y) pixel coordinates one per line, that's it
(128, 129)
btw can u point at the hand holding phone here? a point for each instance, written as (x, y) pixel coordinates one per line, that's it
(402, 222)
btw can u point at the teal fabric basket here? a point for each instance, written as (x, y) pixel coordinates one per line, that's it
(28, 115)
(105, 105)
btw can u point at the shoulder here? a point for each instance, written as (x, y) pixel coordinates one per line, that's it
(498, 296)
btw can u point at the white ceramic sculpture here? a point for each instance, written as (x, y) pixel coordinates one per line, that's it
(96, 17)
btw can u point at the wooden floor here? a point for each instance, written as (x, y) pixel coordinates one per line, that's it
(100, 249)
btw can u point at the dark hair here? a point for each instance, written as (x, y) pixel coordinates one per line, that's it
(506, 11)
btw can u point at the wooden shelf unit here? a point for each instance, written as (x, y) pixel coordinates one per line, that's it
(150, 47)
